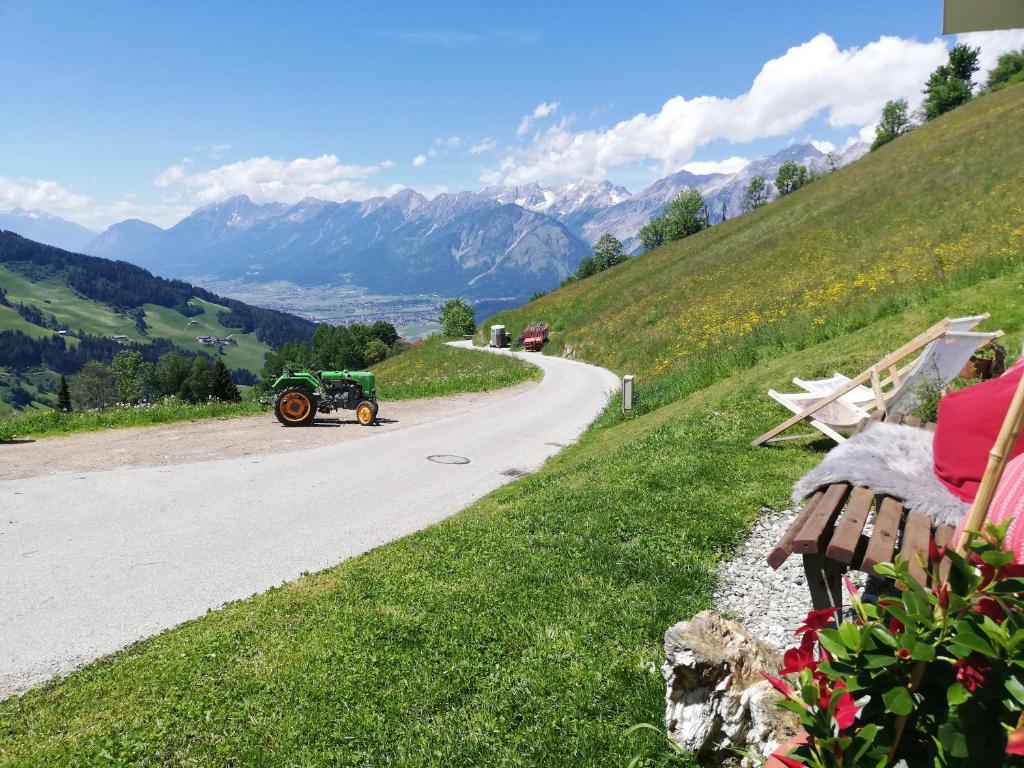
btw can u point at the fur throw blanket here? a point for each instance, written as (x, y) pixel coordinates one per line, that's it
(893, 459)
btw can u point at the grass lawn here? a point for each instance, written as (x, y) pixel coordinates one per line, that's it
(434, 369)
(525, 630)
(47, 423)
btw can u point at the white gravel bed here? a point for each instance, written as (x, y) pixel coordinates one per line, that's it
(771, 604)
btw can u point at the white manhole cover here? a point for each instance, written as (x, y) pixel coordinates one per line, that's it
(445, 458)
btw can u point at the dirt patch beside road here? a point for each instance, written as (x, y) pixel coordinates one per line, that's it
(212, 439)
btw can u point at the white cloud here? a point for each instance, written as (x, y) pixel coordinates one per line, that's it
(36, 193)
(267, 179)
(442, 146)
(56, 199)
(992, 44)
(486, 145)
(823, 146)
(542, 110)
(847, 86)
(729, 165)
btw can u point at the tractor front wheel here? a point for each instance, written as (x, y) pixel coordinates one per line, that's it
(295, 407)
(366, 412)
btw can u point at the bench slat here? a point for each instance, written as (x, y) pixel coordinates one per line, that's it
(851, 524)
(883, 537)
(916, 534)
(818, 529)
(784, 548)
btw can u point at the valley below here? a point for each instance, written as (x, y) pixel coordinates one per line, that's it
(413, 315)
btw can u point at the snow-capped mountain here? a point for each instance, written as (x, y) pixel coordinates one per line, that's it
(46, 228)
(723, 193)
(572, 204)
(502, 241)
(463, 243)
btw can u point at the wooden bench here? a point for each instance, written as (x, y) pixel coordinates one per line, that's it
(843, 528)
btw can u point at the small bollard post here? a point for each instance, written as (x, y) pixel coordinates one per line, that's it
(627, 392)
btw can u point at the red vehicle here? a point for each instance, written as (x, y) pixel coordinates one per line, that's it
(535, 337)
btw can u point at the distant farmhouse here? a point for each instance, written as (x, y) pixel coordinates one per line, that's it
(212, 341)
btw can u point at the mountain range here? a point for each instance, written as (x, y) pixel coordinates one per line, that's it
(501, 242)
(46, 228)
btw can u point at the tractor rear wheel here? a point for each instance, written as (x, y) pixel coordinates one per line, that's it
(295, 407)
(366, 412)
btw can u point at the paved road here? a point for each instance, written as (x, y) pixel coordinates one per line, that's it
(90, 562)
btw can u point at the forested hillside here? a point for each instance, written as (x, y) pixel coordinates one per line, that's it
(60, 310)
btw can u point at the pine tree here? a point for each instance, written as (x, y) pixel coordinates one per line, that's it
(63, 395)
(223, 387)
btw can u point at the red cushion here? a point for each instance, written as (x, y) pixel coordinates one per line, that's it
(967, 427)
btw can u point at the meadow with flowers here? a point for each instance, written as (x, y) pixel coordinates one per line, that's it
(939, 208)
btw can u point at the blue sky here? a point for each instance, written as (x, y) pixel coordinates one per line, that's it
(114, 109)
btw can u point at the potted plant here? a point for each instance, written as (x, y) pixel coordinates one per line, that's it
(987, 362)
(925, 677)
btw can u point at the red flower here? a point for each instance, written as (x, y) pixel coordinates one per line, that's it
(903, 653)
(970, 672)
(779, 685)
(850, 586)
(987, 574)
(816, 620)
(896, 626)
(935, 553)
(846, 711)
(797, 659)
(1015, 742)
(1011, 571)
(943, 593)
(787, 761)
(990, 608)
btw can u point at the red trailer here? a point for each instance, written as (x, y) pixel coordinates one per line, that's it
(535, 337)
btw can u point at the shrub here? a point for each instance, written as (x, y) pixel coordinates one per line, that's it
(457, 318)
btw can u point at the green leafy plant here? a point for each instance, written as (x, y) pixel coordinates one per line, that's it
(926, 677)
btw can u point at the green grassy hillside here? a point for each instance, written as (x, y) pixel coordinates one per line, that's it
(939, 205)
(54, 298)
(527, 630)
(434, 369)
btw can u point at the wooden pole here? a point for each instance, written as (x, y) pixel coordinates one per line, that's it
(997, 459)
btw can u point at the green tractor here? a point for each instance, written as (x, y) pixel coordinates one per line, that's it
(300, 394)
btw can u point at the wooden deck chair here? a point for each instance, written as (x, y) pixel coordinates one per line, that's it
(838, 413)
(822, 387)
(896, 380)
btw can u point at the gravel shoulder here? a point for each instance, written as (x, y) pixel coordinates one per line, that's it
(213, 439)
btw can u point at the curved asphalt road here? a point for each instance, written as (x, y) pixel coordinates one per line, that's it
(90, 563)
